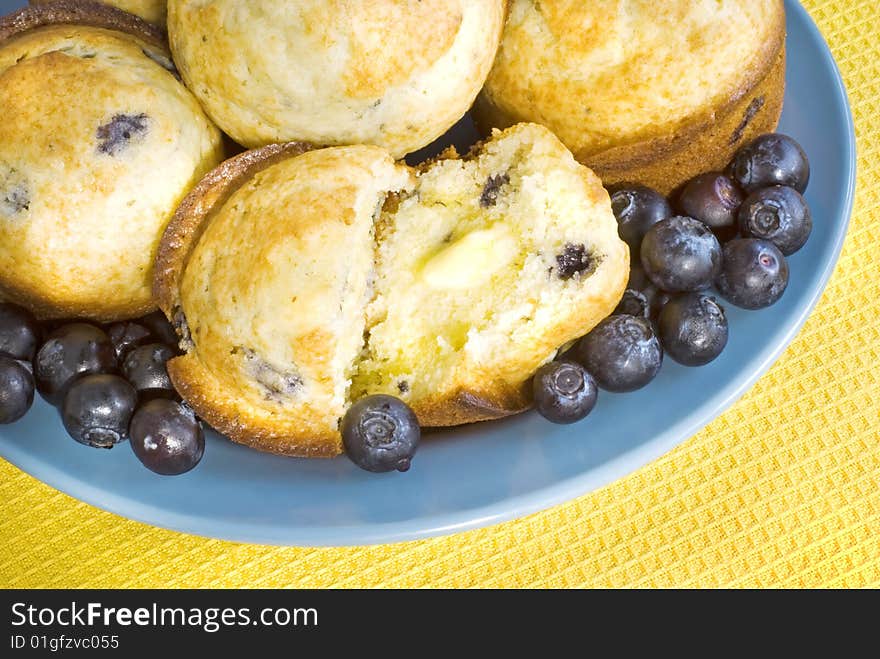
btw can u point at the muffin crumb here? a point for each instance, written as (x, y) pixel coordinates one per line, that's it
(181, 327)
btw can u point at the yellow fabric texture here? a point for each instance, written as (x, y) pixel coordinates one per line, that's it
(783, 490)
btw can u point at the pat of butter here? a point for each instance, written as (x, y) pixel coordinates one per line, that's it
(471, 260)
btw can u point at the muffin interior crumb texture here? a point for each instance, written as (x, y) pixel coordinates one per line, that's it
(476, 267)
(98, 145)
(462, 276)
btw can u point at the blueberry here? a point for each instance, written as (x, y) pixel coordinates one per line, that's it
(19, 332)
(167, 437)
(681, 254)
(659, 302)
(492, 189)
(126, 336)
(145, 368)
(644, 304)
(69, 352)
(755, 273)
(97, 410)
(161, 330)
(15, 197)
(16, 390)
(693, 329)
(778, 214)
(641, 297)
(122, 130)
(637, 209)
(638, 278)
(771, 159)
(574, 260)
(564, 392)
(381, 433)
(15, 192)
(714, 200)
(633, 303)
(622, 353)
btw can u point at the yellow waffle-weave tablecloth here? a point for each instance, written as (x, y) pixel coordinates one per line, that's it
(782, 490)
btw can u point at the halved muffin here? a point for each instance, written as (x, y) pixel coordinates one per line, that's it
(301, 280)
(483, 270)
(396, 73)
(641, 91)
(99, 143)
(153, 11)
(266, 271)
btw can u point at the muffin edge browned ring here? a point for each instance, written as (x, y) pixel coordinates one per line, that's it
(80, 12)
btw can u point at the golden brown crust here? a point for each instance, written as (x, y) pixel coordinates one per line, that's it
(480, 394)
(629, 136)
(37, 303)
(394, 73)
(203, 393)
(466, 406)
(217, 409)
(72, 12)
(190, 219)
(80, 12)
(373, 66)
(273, 330)
(667, 161)
(57, 291)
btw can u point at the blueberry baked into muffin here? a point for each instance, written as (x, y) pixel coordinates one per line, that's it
(300, 280)
(153, 11)
(395, 73)
(642, 91)
(99, 143)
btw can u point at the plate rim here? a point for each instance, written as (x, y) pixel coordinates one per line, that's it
(512, 507)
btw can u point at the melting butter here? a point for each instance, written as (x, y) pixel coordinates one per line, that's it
(472, 259)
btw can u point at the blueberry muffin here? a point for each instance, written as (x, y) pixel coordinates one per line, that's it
(99, 143)
(395, 73)
(641, 91)
(300, 280)
(153, 11)
(265, 273)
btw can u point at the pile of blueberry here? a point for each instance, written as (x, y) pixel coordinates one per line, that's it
(109, 384)
(729, 229)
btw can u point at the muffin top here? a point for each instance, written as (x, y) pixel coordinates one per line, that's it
(608, 72)
(396, 73)
(99, 143)
(271, 297)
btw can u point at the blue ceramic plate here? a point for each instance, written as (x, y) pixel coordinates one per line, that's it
(488, 473)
